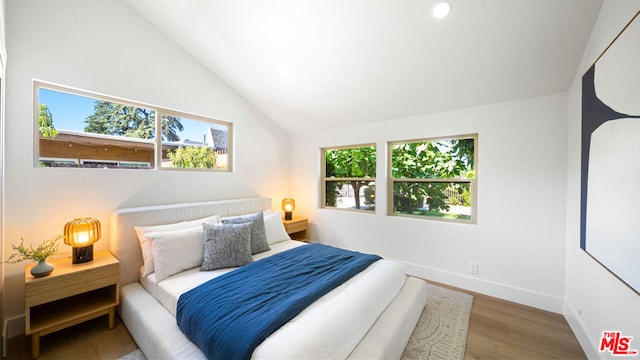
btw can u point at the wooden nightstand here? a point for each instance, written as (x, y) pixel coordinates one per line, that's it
(296, 228)
(71, 294)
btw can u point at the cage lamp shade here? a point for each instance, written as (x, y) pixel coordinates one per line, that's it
(80, 234)
(288, 205)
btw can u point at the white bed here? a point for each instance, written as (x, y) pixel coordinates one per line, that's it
(356, 328)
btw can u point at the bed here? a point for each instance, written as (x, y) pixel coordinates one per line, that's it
(370, 316)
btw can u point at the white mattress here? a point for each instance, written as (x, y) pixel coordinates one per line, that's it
(169, 290)
(329, 328)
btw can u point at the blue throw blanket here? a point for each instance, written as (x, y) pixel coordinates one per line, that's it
(229, 316)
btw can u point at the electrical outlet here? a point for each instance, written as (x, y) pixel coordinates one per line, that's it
(473, 268)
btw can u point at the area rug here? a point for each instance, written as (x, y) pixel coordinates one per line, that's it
(135, 355)
(441, 332)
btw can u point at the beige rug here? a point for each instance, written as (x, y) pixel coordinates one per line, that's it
(441, 332)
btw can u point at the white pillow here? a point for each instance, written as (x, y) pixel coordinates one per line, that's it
(176, 251)
(275, 228)
(145, 245)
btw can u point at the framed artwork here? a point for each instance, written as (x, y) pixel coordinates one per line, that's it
(610, 157)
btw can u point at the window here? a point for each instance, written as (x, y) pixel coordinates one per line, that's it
(434, 178)
(349, 177)
(80, 129)
(203, 145)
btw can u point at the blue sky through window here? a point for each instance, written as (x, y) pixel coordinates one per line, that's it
(70, 112)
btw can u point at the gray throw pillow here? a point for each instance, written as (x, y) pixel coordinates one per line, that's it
(226, 246)
(258, 232)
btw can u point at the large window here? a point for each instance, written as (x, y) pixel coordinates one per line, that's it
(434, 178)
(76, 128)
(349, 177)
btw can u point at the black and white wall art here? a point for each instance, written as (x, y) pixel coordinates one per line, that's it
(610, 177)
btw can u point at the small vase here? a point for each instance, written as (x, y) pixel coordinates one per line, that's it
(42, 268)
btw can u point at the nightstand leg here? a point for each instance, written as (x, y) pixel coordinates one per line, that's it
(112, 318)
(35, 345)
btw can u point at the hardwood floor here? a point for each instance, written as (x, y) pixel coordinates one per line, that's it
(498, 329)
(505, 330)
(89, 340)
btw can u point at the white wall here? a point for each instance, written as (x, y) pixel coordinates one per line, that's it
(519, 238)
(104, 46)
(595, 300)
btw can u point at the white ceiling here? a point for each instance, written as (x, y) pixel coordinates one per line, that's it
(314, 64)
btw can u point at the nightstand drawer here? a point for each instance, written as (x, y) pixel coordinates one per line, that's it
(295, 226)
(69, 279)
(69, 284)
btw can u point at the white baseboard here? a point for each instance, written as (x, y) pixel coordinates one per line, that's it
(473, 283)
(13, 327)
(586, 342)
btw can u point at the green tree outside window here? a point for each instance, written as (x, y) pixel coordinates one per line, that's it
(354, 167)
(430, 176)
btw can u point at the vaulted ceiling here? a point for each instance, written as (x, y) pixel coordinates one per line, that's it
(313, 64)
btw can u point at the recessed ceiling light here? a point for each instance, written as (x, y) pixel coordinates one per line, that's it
(442, 9)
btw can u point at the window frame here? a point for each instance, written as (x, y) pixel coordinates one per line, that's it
(473, 182)
(163, 111)
(157, 141)
(324, 179)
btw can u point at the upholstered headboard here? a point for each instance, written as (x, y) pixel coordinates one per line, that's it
(124, 243)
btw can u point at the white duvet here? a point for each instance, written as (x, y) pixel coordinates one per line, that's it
(329, 328)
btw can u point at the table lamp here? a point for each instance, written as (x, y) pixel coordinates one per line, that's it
(80, 234)
(288, 205)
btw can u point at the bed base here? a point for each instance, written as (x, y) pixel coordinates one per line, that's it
(159, 337)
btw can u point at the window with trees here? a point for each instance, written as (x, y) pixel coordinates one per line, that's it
(349, 177)
(434, 178)
(77, 128)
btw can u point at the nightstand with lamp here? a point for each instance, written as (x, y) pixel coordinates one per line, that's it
(295, 227)
(76, 291)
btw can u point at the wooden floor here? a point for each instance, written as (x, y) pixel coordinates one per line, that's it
(498, 330)
(90, 340)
